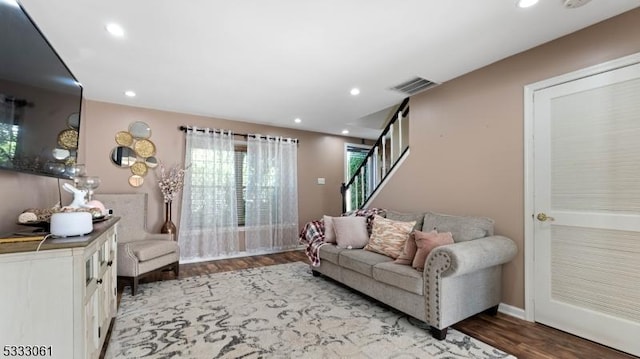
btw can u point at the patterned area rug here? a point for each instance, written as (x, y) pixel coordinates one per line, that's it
(279, 311)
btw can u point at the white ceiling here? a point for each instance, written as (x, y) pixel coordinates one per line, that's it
(272, 61)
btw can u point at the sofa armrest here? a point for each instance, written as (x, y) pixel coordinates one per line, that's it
(467, 257)
(464, 296)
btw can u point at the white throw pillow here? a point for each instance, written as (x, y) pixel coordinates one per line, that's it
(329, 231)
(351, 232)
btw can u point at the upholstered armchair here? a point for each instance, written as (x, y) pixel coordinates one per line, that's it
(139, 252)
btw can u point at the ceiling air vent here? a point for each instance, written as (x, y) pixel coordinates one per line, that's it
(413, 86)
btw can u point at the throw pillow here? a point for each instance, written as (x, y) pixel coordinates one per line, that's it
(329, 231)
(388, 236)
(462, 228)
(426, 242)
(351, 232)
(369, 213)
(408, 252)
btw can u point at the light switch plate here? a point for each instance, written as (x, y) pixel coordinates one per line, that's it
(321, 180)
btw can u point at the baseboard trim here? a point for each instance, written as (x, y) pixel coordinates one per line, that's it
(240, 255)
(512, 311)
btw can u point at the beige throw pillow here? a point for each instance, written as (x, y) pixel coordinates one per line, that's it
(329, 231)
(388, 236)
(426, 242)
(351, 232)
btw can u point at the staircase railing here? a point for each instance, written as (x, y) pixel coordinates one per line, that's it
(390, 147)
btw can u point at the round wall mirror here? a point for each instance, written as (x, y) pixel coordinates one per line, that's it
(123, 156)
(140, 129)
(73, 120)
(60, 153)
(136, 181)
(151, 162)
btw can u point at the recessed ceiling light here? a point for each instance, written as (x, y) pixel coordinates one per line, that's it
(345, 132)
(297, 120)
(115, 29)
(526, 3)
(130, 93)
(355, 91)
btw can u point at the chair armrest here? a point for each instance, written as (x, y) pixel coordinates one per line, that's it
(158, 236)
(469, 256)
(127, 261)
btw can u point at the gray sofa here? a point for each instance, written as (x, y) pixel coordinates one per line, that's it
(459, 280)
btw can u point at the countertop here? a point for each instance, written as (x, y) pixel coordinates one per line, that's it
(60, 242)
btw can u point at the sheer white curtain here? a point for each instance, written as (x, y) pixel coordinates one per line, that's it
(209, 219)
(272, 194)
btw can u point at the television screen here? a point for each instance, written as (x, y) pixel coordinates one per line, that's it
(40, 100)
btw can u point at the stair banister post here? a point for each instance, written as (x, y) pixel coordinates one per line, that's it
(343, 191)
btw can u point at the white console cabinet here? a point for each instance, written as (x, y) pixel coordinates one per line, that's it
(60, 300)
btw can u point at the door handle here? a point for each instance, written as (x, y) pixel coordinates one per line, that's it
(542, 217)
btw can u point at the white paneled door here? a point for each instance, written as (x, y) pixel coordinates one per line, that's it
(586, 150)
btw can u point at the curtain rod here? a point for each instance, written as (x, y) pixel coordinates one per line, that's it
(245, 135)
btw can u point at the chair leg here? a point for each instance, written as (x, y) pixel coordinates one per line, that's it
(439, 334)
(134, 286)
(176, 269)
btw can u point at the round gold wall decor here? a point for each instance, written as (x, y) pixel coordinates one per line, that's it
(144, 148)
(139, 168)
(68, 139)
(124, 138)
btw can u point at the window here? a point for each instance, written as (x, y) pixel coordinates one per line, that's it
(9, 129)
(201, 187)
(354, 156)
(8, 141)
(241, 181)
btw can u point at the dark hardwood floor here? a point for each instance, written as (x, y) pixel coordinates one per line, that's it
(518, 337)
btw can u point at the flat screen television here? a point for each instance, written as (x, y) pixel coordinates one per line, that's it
(40, 100)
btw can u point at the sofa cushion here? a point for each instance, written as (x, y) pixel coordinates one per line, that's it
(408, 252)
(329, 231)
(426, 242)
(398, 275)
(148, 249)
(361, 261)
(330, 252)
(351, 232)
(418, 217)
(388, 236)
(462, 228)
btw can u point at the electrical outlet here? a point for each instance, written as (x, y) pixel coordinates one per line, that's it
(321, 180)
